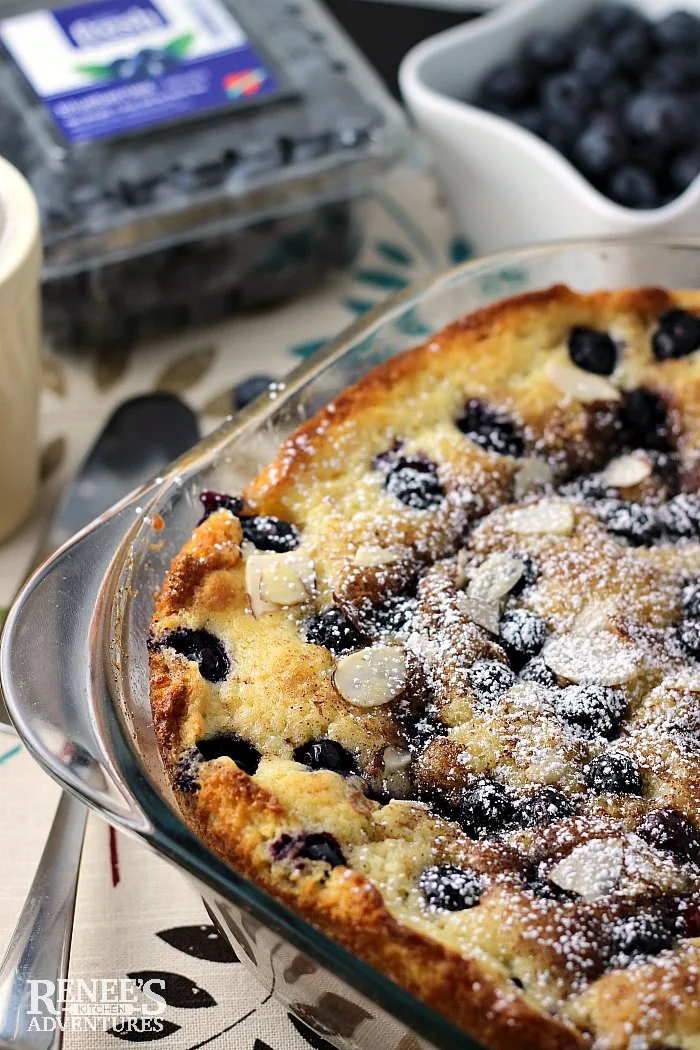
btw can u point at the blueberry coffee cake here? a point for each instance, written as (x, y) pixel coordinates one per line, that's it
(433, 678)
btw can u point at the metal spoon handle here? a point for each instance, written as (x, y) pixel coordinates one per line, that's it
(40, 945)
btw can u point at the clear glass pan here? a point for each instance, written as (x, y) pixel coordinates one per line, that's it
(74, 663)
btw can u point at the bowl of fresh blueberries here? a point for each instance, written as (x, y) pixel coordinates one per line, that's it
(552, 119)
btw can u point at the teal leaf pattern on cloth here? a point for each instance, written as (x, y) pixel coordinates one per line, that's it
(394, 253)
(304, 350)
(6, 755)
(411, 324)
(384, 279)
(505, 282)
(359, 306)
(459, 250)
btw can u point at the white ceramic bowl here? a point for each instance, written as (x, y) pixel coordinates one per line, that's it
(505, 186)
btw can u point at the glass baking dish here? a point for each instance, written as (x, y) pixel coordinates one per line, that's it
(74, 662)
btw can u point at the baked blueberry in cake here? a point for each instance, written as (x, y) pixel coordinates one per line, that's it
(433, 678)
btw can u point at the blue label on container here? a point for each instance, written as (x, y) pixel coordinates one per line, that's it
(113, 66)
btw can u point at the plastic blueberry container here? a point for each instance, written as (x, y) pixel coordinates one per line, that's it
(80, 699)
(203, 204)
(505, 186)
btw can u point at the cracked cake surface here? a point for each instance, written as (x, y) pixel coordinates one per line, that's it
(433, 678)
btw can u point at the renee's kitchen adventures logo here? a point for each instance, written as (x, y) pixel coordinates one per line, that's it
(119, 1004)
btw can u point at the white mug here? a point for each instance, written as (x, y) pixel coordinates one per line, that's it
(20, 348)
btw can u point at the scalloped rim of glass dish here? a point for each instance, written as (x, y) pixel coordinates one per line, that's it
(159, 823)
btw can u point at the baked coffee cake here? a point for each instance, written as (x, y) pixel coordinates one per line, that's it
(433, 678)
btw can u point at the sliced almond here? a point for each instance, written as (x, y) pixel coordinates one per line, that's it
(367, 556)
(253, 580)
(396, 759)
(650, 869)
(595, 616)
(486, 614)
(495, 577)
(531, 474)
(371, 677)
(592, 870)
(580, 385)
(625, 471)
(549, 517)
(602, 659)
(274, 580)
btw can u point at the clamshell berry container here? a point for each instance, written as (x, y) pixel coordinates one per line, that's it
(80, 699)
(189, 159)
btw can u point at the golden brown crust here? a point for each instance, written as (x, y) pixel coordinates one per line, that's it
(237, 818)
(468, 966)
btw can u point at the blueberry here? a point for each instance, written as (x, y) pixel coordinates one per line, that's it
(639, 934)
(560, 137)
(685, 168)
(592, 350)
(270, 534)
(664, 119)
(491, 429)
(449, 888)
(595, 710)
(334, 631)
(611, 17)
(395, 614)
(486, 808)
(690, 600)
(544, 807)
(547, 49)
(541, 886)
(186, 777)
(587, 489)
(420, 730)
(249, 389)
(499, 109)
(567, 99)
(201, 647)
(635, 522)
(531, 573)
(531, 119)
(644, 419)
(673, 72)
(510, 85)
(680, 516)
(316, 845)
(212, 501)
(689, 637)
(680, 29)
(537, 671)
(633, 187)
(595, 65)
(598, 150)
(614, 96)
(678, 335)
(522, 635)
(325, 754)
(415, 483)
(230, 745)
(490, 679)
(668, 829)
(324, 847)
(150, 63)
(124, 69)
(614, 774)
(630, 48)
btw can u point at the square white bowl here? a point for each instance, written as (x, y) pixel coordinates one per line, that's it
(505, 186)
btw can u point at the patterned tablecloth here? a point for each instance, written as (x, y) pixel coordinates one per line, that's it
(135, 915)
